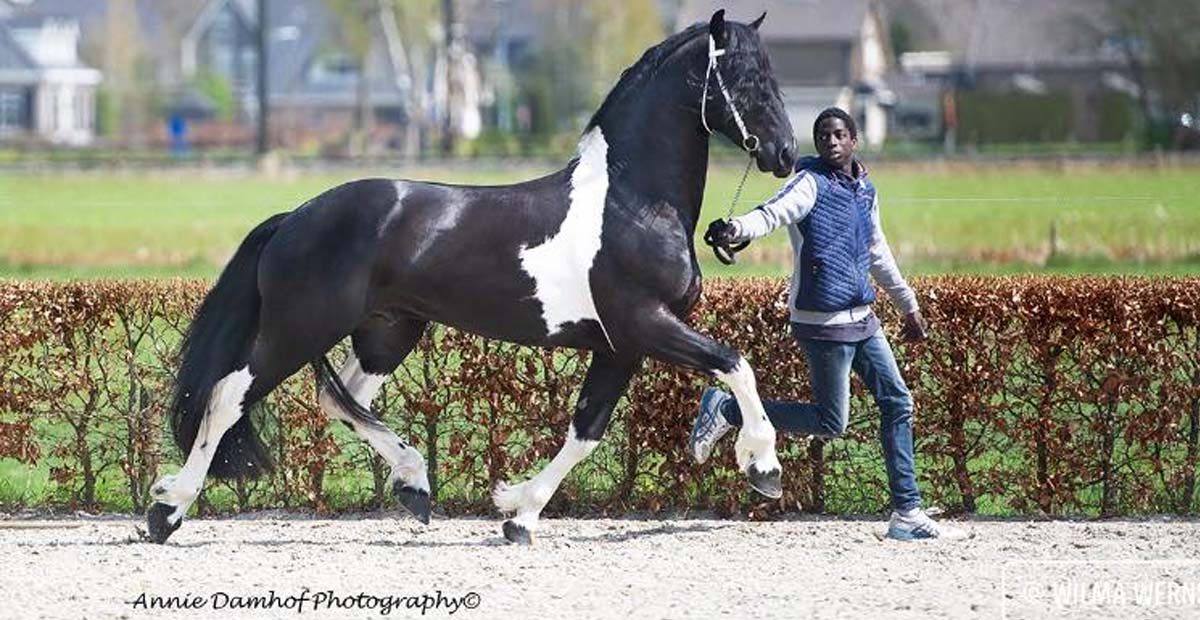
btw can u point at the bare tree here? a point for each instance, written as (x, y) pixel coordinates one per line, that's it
(1160, 42)
(121, 57)
(356, 20)
(407, 25)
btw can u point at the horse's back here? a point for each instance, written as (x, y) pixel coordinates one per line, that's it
(534, 263)
(452, 254)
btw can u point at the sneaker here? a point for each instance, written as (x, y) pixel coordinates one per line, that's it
(916, 525)
(710, 425)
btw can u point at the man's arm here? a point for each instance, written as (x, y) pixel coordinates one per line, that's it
(790, 204)
(887, 274)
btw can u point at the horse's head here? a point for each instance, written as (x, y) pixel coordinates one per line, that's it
(743, 100)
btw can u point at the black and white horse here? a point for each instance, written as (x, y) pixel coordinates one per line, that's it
(596, 256)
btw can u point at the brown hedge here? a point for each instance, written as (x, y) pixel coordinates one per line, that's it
(1035, 395)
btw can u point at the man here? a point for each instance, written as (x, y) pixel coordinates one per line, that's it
(832, 216)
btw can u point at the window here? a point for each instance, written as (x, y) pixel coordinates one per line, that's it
(222, 43)
(12, 117)
(83, 109)
(333, 69)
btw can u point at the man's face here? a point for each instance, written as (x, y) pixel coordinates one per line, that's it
(834, 143)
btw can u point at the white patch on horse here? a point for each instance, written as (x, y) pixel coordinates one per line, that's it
(560, 267)
(401, 192)
(224, 409)
(406, 462)
(528, 498)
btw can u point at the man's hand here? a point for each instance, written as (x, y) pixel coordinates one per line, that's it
(915, 329)
(721, 232)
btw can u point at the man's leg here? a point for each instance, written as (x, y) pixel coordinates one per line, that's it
(829, 372)
(875, 364)
(829, 376)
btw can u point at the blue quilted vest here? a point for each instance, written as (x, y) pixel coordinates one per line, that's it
(835, 260)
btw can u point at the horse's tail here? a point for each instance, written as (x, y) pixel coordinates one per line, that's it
(218, 343)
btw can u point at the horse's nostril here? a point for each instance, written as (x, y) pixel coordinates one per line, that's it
(785, 156)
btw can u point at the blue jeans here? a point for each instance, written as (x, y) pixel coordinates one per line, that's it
(829, 366)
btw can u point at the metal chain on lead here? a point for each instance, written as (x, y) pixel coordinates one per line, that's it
(737, 195)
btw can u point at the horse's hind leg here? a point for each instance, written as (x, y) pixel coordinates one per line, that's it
(275, 355)
(379, 346)
(173, 495)
(670, 340)
(606, 381)
(231, 398)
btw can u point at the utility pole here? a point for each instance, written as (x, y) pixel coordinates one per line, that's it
(450, 25)
(504, 115)
(263, 33)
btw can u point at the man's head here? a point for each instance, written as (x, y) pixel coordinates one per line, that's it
(836, 137)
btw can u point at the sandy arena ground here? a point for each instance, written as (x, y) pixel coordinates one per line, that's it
(822, 568)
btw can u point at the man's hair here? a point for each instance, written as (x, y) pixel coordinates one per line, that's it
(836, 113)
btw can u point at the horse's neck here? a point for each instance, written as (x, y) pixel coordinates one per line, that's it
(657, 156)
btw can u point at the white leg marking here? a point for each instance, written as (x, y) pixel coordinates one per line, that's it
(756, 440)
(560, 267)
(224, 409)
(528, 498)
(406, 462)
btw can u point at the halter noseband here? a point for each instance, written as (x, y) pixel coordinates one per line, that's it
(749, 140)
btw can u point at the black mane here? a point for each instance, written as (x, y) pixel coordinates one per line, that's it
(645, 68)
(741, 72)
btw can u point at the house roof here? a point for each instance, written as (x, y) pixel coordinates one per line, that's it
(32, 13)
(157, 19)
(301, 32)
(32, 48)
(799, 20)
(487, 20)
(1012, 34)
(12, 56)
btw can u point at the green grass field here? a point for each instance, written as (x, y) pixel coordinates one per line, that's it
(986, 220)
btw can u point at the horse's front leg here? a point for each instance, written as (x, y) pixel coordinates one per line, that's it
(607, 378)
(670, 340)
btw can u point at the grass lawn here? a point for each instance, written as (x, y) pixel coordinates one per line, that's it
(986, 220)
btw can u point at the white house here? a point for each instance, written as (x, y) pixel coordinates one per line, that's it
(45, 91)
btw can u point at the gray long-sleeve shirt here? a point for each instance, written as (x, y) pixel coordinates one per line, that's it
(790, 206)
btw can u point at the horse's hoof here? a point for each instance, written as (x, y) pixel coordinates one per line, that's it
(517, 534)
(158, 522)
(415, 501)
(767, 483)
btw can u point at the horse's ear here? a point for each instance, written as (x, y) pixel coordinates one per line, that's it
(758, 22)
(716, 28)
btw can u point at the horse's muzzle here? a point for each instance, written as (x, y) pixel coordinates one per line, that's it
(777, 156)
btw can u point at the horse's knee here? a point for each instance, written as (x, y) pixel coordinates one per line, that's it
(581, 443)
(740, 378)
(589, 423)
